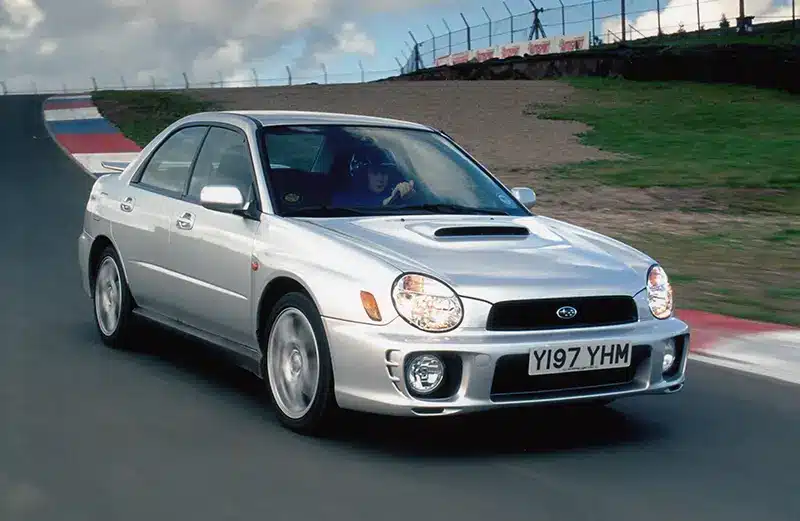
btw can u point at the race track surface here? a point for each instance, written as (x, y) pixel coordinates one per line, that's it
(172, 432)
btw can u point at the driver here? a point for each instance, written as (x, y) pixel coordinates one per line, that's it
(371, 168)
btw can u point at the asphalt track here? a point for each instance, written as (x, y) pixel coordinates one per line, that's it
(172, 431)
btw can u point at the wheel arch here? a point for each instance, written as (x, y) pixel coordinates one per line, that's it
(272, 292)
(99, 244)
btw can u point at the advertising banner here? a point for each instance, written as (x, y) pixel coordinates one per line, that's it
(556, 44)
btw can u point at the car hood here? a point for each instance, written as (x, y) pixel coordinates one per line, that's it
(496, 258)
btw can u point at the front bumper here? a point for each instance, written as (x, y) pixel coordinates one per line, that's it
(490, 369)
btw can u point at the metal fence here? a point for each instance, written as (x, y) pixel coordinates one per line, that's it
(180, 80)
(482, 30)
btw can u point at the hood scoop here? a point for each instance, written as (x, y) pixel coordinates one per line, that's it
(482, 231)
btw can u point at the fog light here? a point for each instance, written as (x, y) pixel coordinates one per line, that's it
(425, 374)
(669, 356)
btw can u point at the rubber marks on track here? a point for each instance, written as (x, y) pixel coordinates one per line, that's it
(82, 132)
(755, 347)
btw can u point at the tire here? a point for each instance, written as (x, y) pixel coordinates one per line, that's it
(109, 281)
(303, 349)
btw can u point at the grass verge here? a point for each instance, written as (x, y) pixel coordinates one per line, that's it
(723, 166)
(688, 135)
(141, 115)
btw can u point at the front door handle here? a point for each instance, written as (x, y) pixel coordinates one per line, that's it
(185, 221)
(127, 204)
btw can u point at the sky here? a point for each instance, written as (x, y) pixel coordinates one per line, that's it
(48, 45)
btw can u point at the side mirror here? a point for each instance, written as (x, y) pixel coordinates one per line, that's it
(524, 195)
(222, 198)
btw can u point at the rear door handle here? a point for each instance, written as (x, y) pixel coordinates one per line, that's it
(185, 221)
(127, 204)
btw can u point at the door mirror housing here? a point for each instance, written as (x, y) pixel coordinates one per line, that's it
(222, 198)
(525, 195)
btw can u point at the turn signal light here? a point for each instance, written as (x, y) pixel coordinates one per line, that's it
(370, 306)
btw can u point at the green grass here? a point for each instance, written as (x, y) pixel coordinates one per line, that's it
(773, 33)
(695, 39)
(785, 235)
(141, 115)
(690, 135)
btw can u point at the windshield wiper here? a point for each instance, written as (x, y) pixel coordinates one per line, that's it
(450, 208)
(324, 211)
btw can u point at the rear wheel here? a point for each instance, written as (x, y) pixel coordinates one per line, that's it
(298, 366)
(112, 300)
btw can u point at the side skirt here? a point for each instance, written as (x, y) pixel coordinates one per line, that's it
(244, 356)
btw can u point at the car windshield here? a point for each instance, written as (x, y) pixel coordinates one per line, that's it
(336, 171)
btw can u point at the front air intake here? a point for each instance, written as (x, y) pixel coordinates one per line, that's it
(482, 231)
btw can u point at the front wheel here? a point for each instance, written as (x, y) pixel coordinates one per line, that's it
(112, 300)
(298, 366)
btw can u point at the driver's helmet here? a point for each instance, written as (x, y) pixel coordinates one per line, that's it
(372, 158)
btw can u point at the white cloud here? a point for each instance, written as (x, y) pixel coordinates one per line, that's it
(351, 40)
(783, 13)
(684, 12)
(240, 78)
(322, 47)
(20, 18)
(69, 41)
(48, 46)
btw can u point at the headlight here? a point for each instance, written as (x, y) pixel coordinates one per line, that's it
(427, 303)
(659, 292)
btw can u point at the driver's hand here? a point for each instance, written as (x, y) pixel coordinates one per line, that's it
(401, 190)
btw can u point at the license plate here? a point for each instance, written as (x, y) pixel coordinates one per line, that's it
(587, 357)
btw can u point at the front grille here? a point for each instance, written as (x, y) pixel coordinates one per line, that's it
(512, 381)
(532, 315)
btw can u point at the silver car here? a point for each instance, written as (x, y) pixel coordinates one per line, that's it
(371, 264)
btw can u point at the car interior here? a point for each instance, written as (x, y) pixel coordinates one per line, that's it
(330, 173)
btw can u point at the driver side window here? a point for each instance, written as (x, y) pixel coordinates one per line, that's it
(223, 160)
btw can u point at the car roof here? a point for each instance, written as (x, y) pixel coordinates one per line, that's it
(298, 117)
